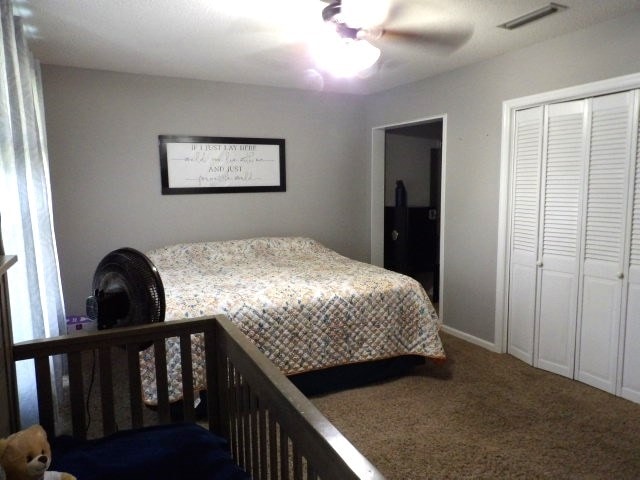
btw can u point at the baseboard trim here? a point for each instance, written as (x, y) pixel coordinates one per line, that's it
(471, 339)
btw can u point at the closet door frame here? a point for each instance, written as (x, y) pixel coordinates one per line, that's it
(509, 108)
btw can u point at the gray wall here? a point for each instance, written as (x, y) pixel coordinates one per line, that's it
(103, 127)
(408, 159)
(472, 99)
(105, 173)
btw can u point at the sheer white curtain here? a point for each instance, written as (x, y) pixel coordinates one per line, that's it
(25, 202)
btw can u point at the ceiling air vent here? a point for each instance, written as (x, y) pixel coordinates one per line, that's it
(533, 16)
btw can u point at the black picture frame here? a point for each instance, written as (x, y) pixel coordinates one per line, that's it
(199, 164)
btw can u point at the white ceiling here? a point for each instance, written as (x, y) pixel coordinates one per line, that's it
(264, 42)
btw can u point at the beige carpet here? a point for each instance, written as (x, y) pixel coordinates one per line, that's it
(486, 415)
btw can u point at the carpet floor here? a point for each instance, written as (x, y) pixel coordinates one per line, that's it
(484, 415)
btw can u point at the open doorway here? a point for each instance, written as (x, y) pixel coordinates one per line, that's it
(412, 196)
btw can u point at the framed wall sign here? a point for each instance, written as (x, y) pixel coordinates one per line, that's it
(221, 164)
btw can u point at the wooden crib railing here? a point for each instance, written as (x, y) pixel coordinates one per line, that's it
(274, 431)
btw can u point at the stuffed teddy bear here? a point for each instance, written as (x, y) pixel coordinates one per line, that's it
(26, 455)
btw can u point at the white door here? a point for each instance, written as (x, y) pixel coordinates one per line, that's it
(562, 196)
(527, 154)
(631, 359)
(607, 187)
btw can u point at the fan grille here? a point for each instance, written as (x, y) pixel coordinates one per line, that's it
(129, 289)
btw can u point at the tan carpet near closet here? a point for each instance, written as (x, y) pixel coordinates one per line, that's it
(488, 416)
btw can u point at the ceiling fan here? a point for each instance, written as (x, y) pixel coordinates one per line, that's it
(347, 25)
(373, 20)
(362, 26)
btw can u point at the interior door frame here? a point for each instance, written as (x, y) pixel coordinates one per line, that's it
(509, 107)
(377, 193)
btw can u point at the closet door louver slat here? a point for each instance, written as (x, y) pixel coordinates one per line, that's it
(608, 168)
(563, 184)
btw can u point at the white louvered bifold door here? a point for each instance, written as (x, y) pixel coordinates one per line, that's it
(574, 251)
(527, 154)
(562, 185)
(607, 189)
(631, 358)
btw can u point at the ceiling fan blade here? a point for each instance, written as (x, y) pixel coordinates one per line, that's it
(396, 11)
(423, 23)
(440, 38)
(414, 10)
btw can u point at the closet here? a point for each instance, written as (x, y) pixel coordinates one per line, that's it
(574, 244)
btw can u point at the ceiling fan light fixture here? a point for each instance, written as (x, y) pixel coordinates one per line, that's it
(345, 57)
(533, 16)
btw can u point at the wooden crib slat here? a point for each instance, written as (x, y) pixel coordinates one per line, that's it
(106, 391)
(234, 396)
(255, 438)
(76, 390)
(162, 383)
(273, 447)
(284, 455)
(135, 385)
(240, 416)
(297, 463)
(262, 431)
(222, 385)
(239, 419)
(45, 394)
(311, 474)
(231, 411)
(187, 378)
(214, 410)
(246, 419)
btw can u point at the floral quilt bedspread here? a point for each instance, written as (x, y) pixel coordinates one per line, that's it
(305, 306)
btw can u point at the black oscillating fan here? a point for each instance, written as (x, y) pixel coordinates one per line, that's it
(127, 290)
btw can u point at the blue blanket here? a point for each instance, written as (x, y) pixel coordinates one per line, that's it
(178, 451)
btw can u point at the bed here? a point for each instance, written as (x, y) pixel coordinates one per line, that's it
(259, 425)
(306, 307)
